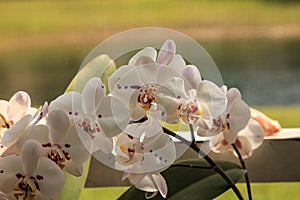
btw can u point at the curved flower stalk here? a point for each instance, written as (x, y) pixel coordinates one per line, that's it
(248, 139)
(151, 183)
(231, 121)
(30, 175)
(101, 117)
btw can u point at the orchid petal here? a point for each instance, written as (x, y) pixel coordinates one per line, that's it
(146, 184)
(161, 184)
(10, 166)
(73, 145)
(177, 64)
(211, 99)
(238, 119)
(192, 75)
(224, 88)
(30, 154)
(85, 138)
(165, 72)
(143, 61)
(12, 134)
(3, 111)
(219, 145)
(166, 52)
(70, 102)
(51, 178)
(149, 128)
(133, 178)
(127, 88)
(159, 154)
(142, 182)
(4, 151)
(232, 94)
(173, 87)
(169, 108)
(146, 52)
(137, 113)
(18, 105)
(3, 196)
(39, 133)
(115, 77)
(92, 94)
(150, 155)
(254, 133)
(58, 123)
(244, 147)
(102, 143)
(71, 168)
(113, 116)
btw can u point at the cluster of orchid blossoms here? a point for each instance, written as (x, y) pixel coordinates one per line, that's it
(124, 129)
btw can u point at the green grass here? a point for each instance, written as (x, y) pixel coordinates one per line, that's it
(35, 17)
(261, 191)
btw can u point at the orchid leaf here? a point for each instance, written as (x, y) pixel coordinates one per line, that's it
(193, 179)
(74, 185)
(101, 66)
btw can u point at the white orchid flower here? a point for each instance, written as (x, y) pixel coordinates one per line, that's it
(30, 175)
(60, 141)
(139, 83)
(234, 119)
(18, 129)
(148, 182)
(248, 139)
(13, 110)
(202, 104)
(143, 148)
(100, 116)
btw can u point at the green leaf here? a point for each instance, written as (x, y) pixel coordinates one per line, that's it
(74, 185)
(101, 66)
(192, 182)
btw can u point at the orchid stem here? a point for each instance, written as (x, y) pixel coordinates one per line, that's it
(244, 167)
(212, 163)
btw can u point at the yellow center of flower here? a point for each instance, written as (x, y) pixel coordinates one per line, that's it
(190, 111)
(133, 153)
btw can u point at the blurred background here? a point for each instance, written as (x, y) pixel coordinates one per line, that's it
(255, 44)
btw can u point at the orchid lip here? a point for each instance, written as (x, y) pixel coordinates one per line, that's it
(147, 97)
(23, 189)
(7, 124)
(190, 110)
